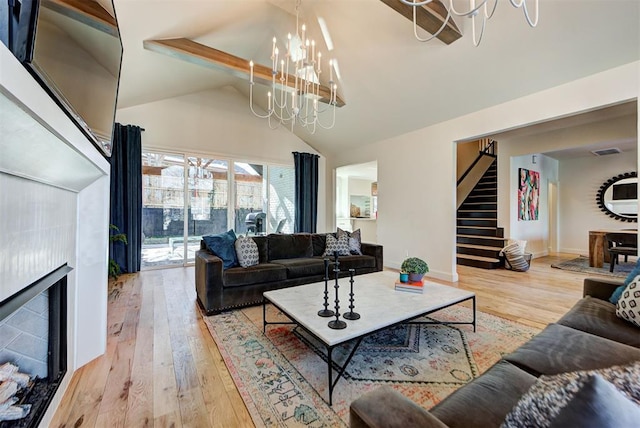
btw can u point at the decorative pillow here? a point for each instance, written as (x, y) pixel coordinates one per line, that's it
(247, 251)
(341, 245)
(598, 404)
(550, 394)
(514, 258)
(628, 307)
(222, 245)
(522, 244)
(628, 280)
(355, 240)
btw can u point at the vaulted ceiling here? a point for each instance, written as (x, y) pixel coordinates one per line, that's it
(391, 83)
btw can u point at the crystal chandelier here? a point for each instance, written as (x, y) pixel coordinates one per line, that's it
(476, 11)
(295, 98)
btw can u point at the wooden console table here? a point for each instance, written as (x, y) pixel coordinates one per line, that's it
(598, 253)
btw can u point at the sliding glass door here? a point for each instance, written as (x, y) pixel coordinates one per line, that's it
(281, 199)
(162, 209)
(208, 190)
(250, 214)
(186, 197)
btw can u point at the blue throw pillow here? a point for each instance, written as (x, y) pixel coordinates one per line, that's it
(618, 291)
(223, 246)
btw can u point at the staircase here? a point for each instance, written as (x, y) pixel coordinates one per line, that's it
(478, 237)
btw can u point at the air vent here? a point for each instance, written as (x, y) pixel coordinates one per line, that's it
(604, 152)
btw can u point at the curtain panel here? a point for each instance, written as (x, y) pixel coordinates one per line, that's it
(126, 195)
(306, 192)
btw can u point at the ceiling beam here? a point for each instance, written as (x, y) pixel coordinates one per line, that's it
(205, 56)
(429, 17)
(87, 12)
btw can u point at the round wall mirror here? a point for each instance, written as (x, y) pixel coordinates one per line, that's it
(618, 197)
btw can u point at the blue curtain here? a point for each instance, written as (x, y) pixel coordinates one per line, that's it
(126, 195)
(306, 192)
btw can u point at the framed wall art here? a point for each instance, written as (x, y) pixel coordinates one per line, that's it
(528, 194)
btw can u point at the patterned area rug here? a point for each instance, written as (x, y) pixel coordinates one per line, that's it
(581, 264)
(282, 377)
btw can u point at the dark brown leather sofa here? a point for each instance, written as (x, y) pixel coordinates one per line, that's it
(286, 260)
(590, 336)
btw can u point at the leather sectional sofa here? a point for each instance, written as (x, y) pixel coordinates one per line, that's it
(590, 336)
(285, 260)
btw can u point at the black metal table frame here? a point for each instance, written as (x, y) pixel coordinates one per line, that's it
(358, 340)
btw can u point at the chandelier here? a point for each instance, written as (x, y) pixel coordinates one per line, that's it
(476, 11)
(295, 98)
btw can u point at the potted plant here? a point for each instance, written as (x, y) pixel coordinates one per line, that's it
(114, 268)
(415, 267)
(404, 276)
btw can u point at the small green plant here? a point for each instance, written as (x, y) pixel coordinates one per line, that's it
(115, 236)
(414, 265)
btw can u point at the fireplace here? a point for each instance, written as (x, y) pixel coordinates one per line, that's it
(54, 205)
(33, 337)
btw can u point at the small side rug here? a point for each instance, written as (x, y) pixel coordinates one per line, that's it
(282, 376)
(581, 264)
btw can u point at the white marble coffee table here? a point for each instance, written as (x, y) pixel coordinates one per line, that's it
(378, 303)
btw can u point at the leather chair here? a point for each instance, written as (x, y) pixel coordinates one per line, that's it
(621, 244)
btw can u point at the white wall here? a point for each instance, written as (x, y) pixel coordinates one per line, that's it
(219, 123)
(417, 170)
(535, 232)
(466, 153)
(579, 211)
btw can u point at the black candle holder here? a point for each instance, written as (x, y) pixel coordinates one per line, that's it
(337, 324)
(351, 315)
(326, 312)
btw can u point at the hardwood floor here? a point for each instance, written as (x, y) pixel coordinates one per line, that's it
(163, 369)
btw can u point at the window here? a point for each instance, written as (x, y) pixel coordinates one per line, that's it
(281, 199)
(250, 198)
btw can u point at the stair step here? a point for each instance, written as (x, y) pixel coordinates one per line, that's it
(483, 191)
(487, 222)
(478, 250)
(478, 206)
(477, 213)
(472, 257)
(477, 261)
(482, 197)
(476, 247)
(488, 241)
(478, 230)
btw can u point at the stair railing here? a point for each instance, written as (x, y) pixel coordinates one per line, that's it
(465, 188)
(489, 150)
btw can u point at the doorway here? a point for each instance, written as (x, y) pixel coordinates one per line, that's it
(357, 199)
(554, 216)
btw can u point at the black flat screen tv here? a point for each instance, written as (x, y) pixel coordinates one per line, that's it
(73, 48)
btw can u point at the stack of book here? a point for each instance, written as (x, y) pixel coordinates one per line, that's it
(412, 287)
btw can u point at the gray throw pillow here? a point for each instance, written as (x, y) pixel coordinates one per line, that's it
(542, 404)
(341, 245)
(355, 240)
(598, 404)
(247, 251)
